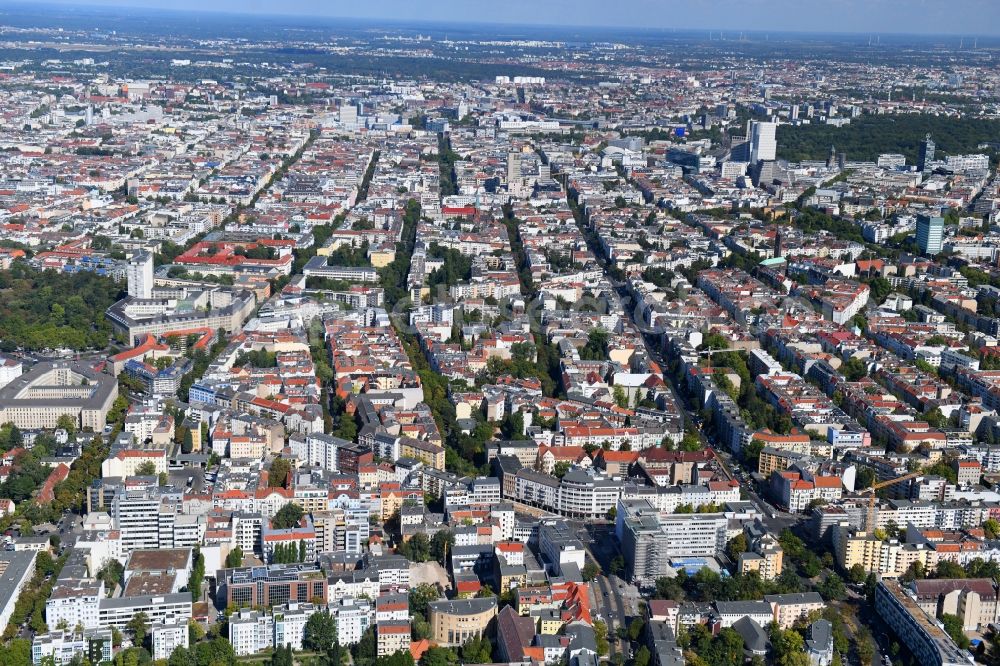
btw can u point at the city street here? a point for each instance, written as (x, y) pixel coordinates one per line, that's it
(613, 599)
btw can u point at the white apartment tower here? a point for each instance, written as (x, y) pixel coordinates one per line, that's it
(140, 275)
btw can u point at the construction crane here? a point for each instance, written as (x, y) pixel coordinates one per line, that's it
(870, 518)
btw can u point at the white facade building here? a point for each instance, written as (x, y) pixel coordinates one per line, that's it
(140, 275)
(64, 646)
(250, 632)
(167, 637)
(10, 369)
(763, 143)
(74, 602)
(289, 623)
(353, 617)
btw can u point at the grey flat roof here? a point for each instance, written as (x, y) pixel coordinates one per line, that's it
(18, 563)
(473, 606)
(102, 386)
(147, 600)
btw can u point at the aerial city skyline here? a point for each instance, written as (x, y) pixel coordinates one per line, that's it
(530, 334)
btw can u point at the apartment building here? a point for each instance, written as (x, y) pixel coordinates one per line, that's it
(250, 632)
(167, 637)
(972, 600)
(75, 602)
(789, 608)
(289, 623)
(393, 636)
(64, 647)
(16, 570)
(353, 617)
(890, 558)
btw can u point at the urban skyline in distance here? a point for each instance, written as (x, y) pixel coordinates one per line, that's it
(924, 17)
(553, 333)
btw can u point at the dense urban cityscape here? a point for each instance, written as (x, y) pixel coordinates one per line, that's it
(365, 344)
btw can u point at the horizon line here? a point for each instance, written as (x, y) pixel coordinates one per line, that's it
(126, 6)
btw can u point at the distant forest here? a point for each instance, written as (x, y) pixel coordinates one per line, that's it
(129, 63)
(868, 136)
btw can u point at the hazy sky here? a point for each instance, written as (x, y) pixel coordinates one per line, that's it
(962, 17)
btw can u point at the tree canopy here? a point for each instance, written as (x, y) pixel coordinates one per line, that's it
(320, 632)
(287, 517)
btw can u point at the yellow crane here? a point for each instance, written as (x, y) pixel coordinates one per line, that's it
(870, 518)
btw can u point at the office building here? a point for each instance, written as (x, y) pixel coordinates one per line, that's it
(930, 234)
(650, 538)
(586, 493)
(274, 585)
(513, 168)
(925, 155)
(36, 399)
(455, 621)
(560, 548)
(161, 570)
(167, 608)
(135, 513)
(977, 162)
(182, 308)
(10, 369)
(348, 115)
(763, 142)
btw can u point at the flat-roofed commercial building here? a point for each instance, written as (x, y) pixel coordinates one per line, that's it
(173, 309)
(168, 608)
(651, 538)
(274, 585)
